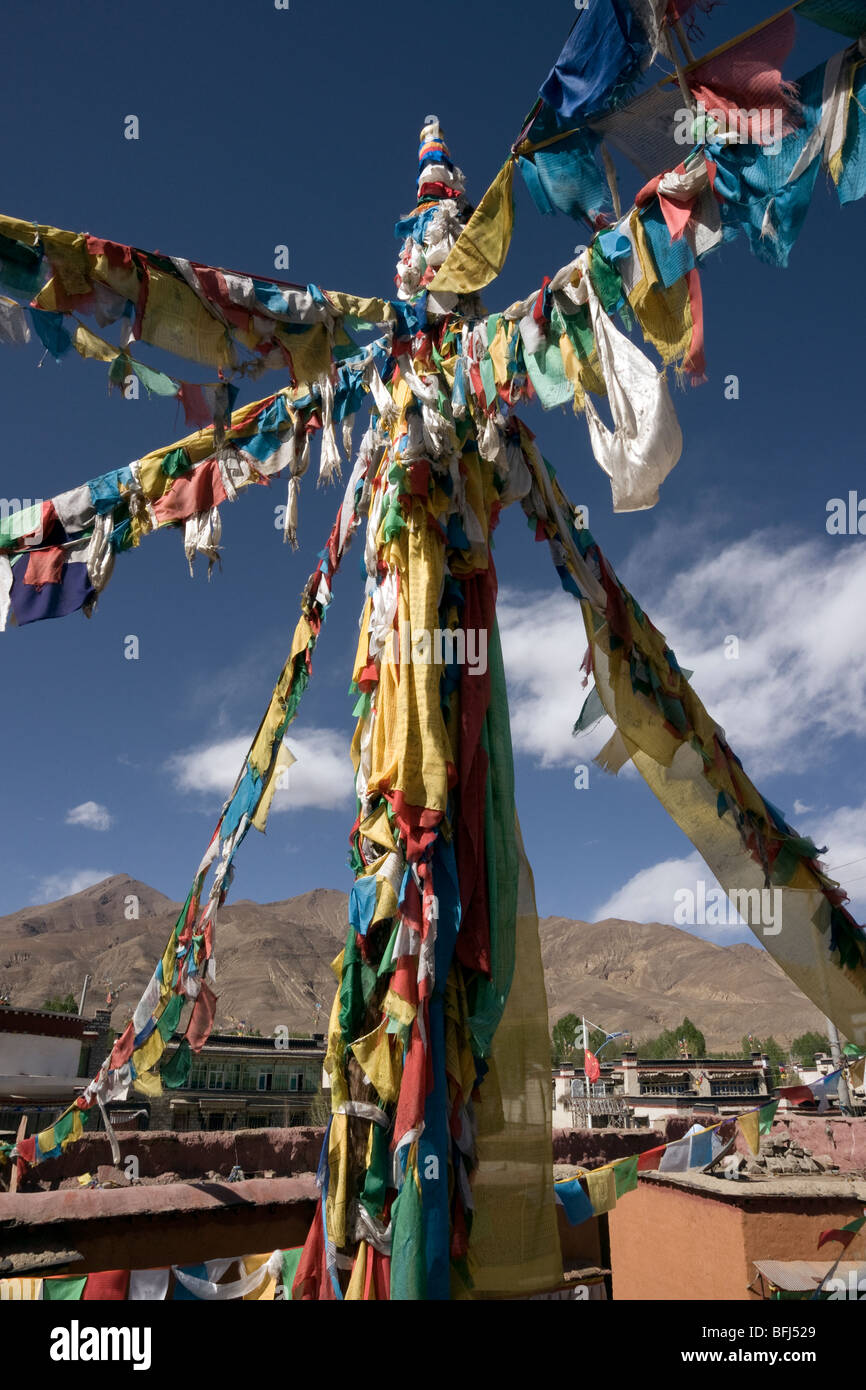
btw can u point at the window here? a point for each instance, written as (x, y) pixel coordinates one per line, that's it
(672, 1089)
(216, 1121)
(296, 1081)
(745, 1086)
(257, 1121)
(265, 1081)
(216, 1079)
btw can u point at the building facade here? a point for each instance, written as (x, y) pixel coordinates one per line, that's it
(240, 1082)
(634, 1093)
(46, 1060)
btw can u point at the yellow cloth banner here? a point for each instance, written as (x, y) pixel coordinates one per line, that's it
(266, 1290)
(479, 253)
(87, 344)
(375, 1053)
(750, 1128)
(176, 320)
(514, 1245)
(601, 1190)
(147, 1056)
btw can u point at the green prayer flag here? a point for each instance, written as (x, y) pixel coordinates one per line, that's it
(176, 461)
(155, 383)
(378, 1173)
(63, 1290)
(766, 1117)
(175, 1072)
(408, 1265)
(291, 1260)
(625, 1176)
(170, 1016)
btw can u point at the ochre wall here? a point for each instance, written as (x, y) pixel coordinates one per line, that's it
(669, 1244)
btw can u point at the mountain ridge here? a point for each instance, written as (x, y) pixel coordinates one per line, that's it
(273, 965)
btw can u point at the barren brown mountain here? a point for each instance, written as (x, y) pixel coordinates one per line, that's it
(273, 965)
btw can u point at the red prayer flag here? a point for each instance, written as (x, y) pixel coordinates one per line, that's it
(649, 1161)
(45, 566)
(202, 1019)
(591, 1066)
(108, 1284)
(845, 1235)
(797, 1095)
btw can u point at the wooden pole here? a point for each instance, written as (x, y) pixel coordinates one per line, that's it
(22, 1130)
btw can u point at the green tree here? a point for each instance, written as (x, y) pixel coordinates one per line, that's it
(566, 1044)
(667, 1043)
(562, 1043)
(803, 1049)
(67, 1005)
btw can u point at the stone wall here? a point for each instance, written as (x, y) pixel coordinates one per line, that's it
(166, 1156)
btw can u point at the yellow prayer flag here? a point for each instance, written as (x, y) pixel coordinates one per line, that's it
(88, 344)
(601, 1189)
(750, 1128)
(46, 1140)
(266, 1290)
(263, 743)
(149, 1084)
(479, 253)
(76, 1132)
(375, 1053)
(147, 1056)
(285, 759)
(176, 320)
(355, 1292)
(856, 1073)
(370, 310)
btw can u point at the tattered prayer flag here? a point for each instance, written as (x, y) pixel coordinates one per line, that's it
(856, 1073)
(479, 253)
(195, 405)
(376, 1055)
(745, 83)
(844, 1235)
(89, 344)
(603, 54)
(202, 1018)
(155, 383)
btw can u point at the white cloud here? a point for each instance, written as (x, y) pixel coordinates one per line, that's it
(321, 779)
(795, 608)
(795, 685)
(90, 815)
(844, 833)
(61, 885)
(651, 896)
(543, 644)
(800, 807)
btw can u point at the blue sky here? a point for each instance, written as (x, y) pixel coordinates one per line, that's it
(259, 127)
